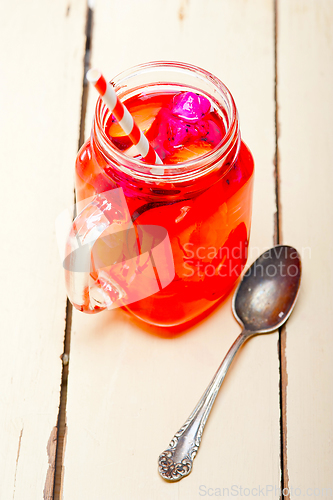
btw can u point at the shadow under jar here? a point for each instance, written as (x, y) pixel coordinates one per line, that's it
(204, 203)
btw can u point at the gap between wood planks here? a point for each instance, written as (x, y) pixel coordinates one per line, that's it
(283, 375)
(57, 477)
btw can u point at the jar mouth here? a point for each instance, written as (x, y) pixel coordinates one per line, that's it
(169, 73)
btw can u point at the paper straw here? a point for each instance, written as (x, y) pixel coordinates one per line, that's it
(124, 118)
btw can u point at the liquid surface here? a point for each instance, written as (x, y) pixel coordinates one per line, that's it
(180, 126)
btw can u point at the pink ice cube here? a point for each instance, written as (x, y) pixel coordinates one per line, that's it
(209, 131)
(190, 106)
(176, 131)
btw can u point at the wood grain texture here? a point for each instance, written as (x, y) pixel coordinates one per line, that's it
(305, 96)
(40, 90)
(130, 389)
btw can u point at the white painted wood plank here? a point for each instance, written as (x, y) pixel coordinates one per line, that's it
(305, 74)
(130, 390)
(42, 47)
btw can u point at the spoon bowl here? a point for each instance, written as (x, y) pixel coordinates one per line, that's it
(268, 291)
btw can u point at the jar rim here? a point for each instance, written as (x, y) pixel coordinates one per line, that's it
(181, 170)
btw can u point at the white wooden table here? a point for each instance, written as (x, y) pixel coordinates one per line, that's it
(127, 388)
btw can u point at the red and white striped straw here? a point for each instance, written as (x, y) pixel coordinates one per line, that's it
(124, 118)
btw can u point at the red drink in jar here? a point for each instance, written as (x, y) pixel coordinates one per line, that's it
(203, 198)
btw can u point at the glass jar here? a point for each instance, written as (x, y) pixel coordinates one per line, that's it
(203, 204)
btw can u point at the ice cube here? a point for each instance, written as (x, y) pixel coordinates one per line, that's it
(176, 131)
(190, 106)
(209, 131)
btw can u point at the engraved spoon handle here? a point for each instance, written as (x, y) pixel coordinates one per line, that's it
(176, 461)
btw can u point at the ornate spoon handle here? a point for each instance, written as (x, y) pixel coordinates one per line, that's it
(176, 461)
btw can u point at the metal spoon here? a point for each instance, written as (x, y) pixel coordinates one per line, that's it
(262, 303)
